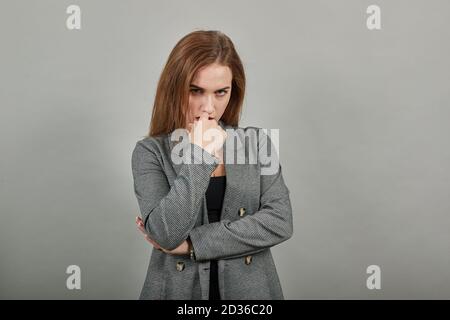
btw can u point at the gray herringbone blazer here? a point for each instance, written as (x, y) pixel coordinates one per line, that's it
(256, 215)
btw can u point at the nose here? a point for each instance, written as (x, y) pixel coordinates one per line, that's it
(208, 104)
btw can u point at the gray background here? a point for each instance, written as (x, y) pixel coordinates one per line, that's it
(363, 142)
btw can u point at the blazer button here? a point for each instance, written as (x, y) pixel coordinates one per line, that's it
(180, 265)
(241, 212)
(248, 259)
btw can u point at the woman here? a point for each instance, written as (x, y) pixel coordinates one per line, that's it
(212, 219)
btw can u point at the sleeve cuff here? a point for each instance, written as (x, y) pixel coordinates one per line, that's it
(201, 247)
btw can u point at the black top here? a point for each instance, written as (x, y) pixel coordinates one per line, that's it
(214, 201)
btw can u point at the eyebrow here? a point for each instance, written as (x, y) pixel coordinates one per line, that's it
(197, 87)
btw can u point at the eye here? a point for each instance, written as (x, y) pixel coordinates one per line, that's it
(221, 93)
(195, 90)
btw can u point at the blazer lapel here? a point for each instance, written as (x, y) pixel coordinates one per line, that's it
(233, 179)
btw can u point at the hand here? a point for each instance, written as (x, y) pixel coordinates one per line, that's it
(180, 250)
(203, 130)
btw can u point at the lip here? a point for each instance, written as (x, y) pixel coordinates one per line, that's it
(209, 118)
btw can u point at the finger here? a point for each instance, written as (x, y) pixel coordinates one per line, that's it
(142, 229)
(140, 224)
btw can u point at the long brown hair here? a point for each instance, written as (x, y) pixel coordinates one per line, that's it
(194, 51)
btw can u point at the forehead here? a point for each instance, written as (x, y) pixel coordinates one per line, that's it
(213, 76)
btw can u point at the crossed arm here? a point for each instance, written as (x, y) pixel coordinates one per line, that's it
(169, 213)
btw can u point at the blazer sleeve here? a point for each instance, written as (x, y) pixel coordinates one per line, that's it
(169, 213)
(267, 227)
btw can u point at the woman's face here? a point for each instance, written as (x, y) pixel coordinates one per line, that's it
(209, 93)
